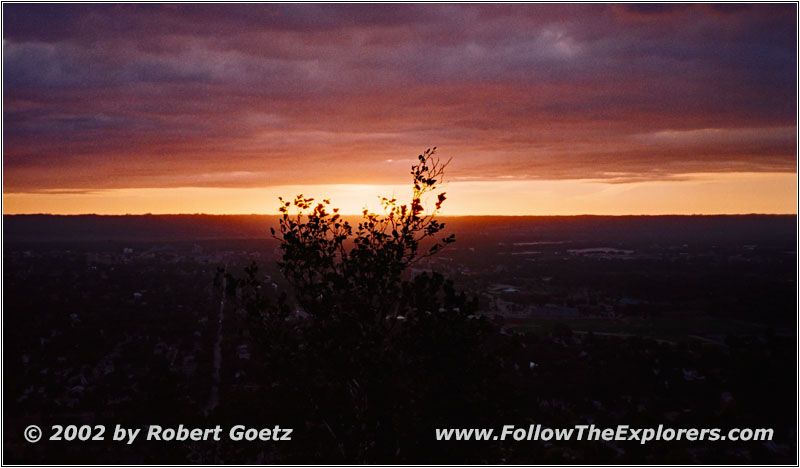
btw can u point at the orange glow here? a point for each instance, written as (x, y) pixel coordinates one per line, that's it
(544, 109)
(700, 193)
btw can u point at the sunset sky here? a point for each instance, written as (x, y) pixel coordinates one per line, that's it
(544, 108)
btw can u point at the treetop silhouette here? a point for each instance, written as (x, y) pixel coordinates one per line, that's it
(376, 340)
(340, 270)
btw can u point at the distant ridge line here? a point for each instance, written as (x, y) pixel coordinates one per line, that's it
(35, 228)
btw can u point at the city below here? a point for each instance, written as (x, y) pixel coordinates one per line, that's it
(102, 310)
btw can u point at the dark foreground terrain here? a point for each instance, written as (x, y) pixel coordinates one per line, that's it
(685, 322)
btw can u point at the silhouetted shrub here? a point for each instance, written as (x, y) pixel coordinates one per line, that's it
(378, 356)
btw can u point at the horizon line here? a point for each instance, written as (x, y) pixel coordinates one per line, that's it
(438, 215)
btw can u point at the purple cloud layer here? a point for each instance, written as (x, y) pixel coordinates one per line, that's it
(143, 95)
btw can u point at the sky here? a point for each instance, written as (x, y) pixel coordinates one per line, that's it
(543, 108)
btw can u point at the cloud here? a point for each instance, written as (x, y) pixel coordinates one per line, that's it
(142, 95)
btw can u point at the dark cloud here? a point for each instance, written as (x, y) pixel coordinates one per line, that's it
(143, 95)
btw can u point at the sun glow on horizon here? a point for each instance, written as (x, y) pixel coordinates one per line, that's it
(701, 193)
